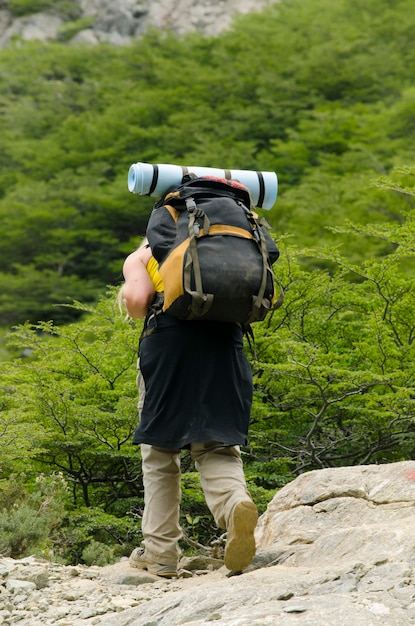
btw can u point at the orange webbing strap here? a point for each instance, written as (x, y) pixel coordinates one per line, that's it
(225, 229)
(173, 212)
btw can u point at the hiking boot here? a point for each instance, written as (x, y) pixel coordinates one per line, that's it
(240, 543)
(138, 559)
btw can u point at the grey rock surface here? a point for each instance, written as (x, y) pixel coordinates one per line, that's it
(120, 22)
(336, 547)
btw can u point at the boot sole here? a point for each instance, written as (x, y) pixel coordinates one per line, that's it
(240, 545)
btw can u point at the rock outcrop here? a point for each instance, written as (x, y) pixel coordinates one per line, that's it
(335, 547)
(120, 22)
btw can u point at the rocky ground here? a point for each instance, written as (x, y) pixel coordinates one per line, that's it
(34, 592)
(336, 547)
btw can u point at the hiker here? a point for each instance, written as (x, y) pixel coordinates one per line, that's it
(198, 396)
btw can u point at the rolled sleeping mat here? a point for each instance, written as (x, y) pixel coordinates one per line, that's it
(147, 179)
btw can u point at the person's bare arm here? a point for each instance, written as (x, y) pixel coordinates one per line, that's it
(138, 290)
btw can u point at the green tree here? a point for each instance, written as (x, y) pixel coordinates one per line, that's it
(335, 371)
(320, 92)
(75, 399)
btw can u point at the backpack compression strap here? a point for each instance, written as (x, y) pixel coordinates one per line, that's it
(201, 302)
(260, 238)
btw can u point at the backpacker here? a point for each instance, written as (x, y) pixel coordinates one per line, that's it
(214, 255)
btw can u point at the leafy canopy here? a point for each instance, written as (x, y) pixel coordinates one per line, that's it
(320, 92)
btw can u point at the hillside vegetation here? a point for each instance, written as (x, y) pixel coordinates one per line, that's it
(321, 92)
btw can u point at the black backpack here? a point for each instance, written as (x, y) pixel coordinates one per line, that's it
(214, 254)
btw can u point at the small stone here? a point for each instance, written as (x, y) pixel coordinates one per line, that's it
(294, 609)
(17, 586)
(69, 597)
(88, 613)
(140, 578)
(203, 563)
(287, 595)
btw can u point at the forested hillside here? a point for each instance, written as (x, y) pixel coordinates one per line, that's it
(321, 92)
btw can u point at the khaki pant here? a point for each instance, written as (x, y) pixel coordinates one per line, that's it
(223, 483)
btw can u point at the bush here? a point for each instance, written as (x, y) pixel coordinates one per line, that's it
(69, 29)
(93, 537)
(97, 553)
(29, 520)
(66, 8)
(28, 7)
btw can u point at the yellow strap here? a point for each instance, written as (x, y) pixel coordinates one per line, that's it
(153, 271)
(223, 229)
(173, 194)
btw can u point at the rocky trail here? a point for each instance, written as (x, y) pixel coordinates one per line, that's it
(336, 547)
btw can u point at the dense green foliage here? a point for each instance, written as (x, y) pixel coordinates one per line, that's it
(68, 10)
(321, 92)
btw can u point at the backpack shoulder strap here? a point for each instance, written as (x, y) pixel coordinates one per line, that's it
(173, 212)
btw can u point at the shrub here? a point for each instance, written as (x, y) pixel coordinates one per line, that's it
(29, 519)
(66, 8)
(93, 537)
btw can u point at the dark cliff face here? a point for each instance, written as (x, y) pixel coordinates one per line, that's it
(94, 21)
